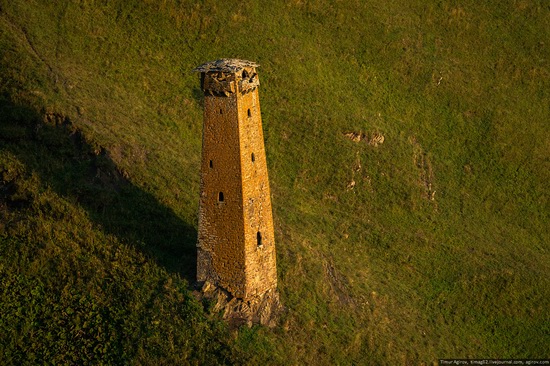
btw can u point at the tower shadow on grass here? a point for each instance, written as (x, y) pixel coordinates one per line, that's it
(79, 170)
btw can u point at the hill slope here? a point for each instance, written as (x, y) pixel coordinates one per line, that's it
(432, 244)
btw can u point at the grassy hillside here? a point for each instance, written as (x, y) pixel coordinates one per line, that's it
(433, 244)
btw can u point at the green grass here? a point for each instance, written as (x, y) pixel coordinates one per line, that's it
(440, 250)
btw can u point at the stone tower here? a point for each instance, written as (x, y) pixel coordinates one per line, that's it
(236, 246)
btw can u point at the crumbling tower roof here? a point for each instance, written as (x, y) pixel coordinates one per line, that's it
(226, 65)
(227, 76)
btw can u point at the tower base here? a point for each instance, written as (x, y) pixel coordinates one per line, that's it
(265, 309)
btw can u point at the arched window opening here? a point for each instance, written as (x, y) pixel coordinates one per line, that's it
(249, 113)
(252, 157)
(259, 239)
(220, 197)
(211, 164)
(221, 111)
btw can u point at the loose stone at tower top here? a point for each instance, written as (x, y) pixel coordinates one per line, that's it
(228, 76)
(227, 65)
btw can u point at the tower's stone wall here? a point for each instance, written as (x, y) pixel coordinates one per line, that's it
(261, 273)
(221, 255)
(236, 244)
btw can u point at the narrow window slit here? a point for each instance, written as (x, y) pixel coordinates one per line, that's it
(211, 164)
(220, 197)
(249, 113)
(252, 157)
(259, 239)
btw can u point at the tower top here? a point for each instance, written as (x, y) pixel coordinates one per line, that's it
(226, 65)
(228, 76)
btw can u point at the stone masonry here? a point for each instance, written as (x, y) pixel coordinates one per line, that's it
(236, 244)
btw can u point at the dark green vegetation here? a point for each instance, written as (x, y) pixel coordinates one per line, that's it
(433, 244)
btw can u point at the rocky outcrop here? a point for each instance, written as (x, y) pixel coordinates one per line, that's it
(265, 309)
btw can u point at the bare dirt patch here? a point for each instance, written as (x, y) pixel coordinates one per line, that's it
(426, 175)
